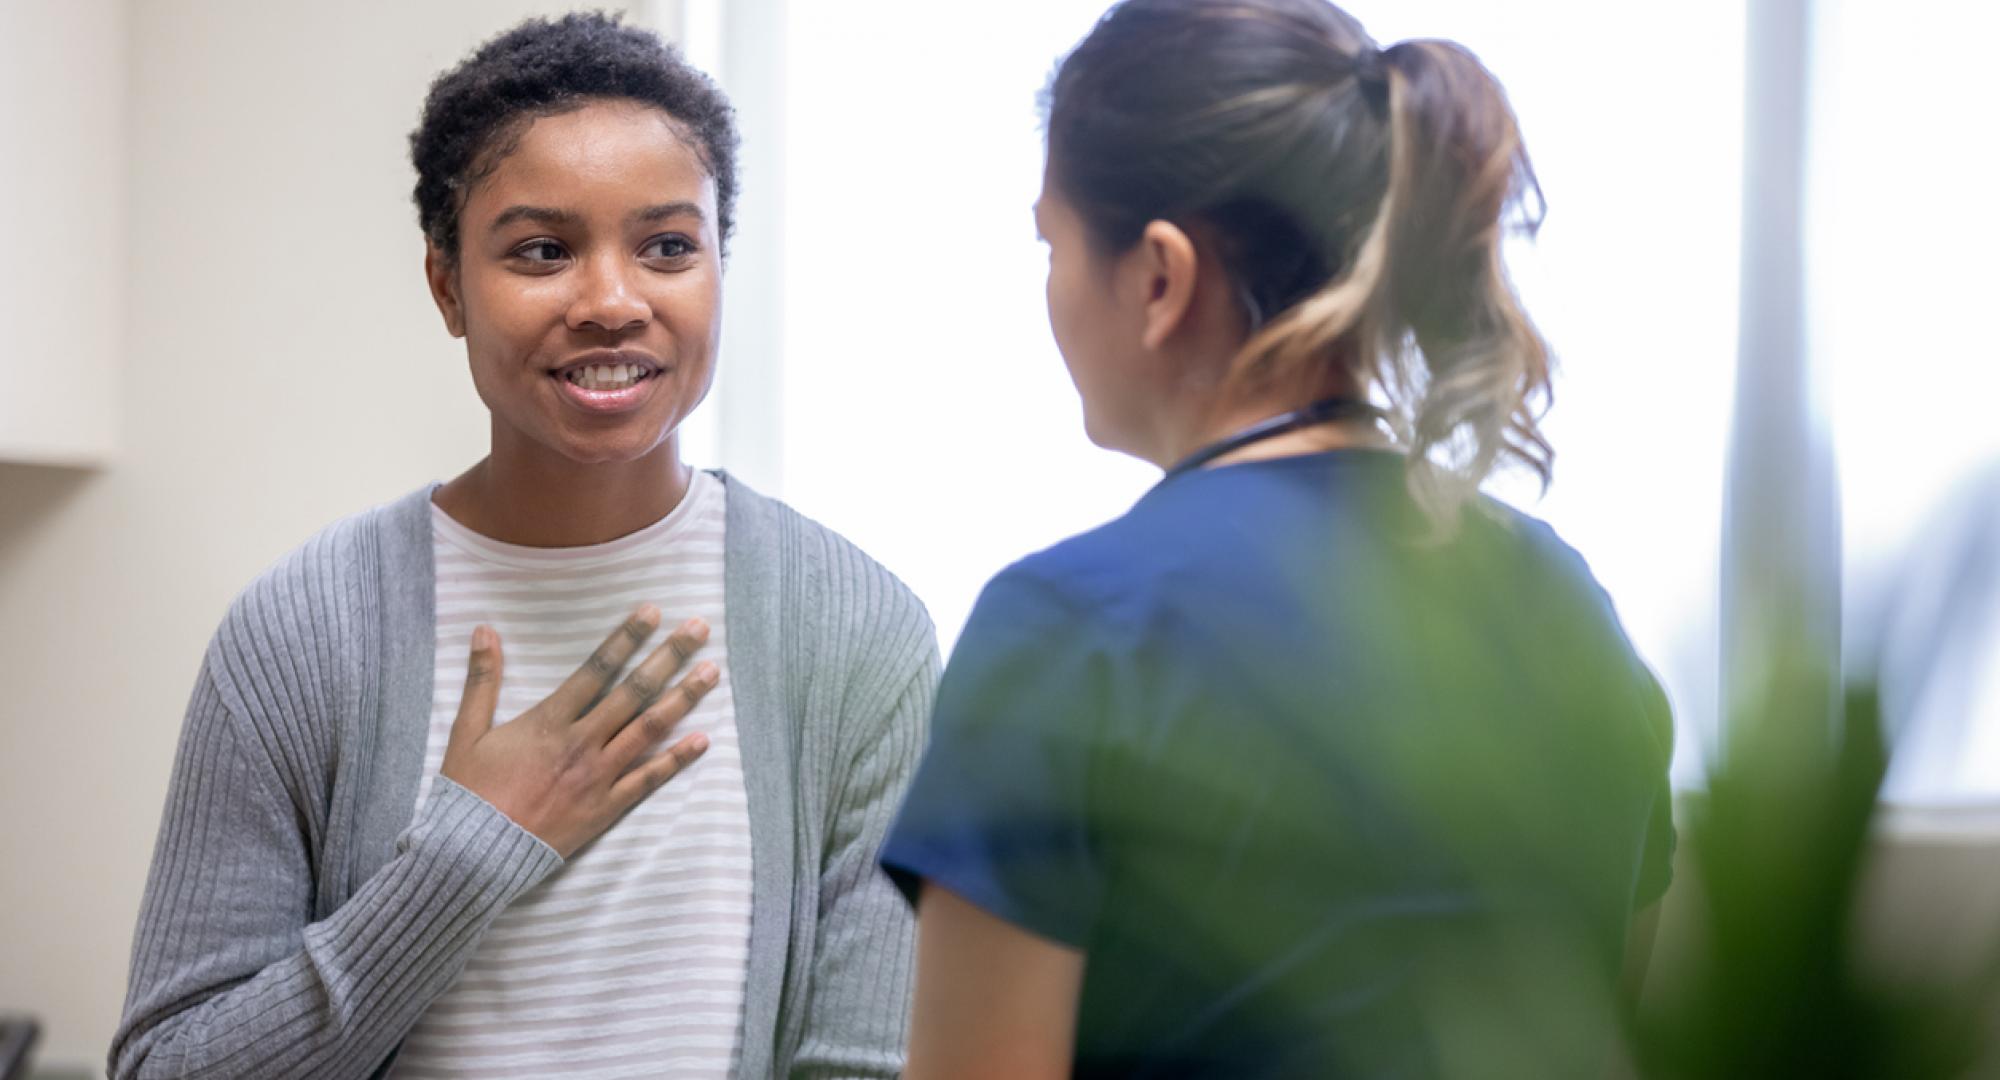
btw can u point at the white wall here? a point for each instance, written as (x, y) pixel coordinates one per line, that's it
(62, 209)
(283, 366)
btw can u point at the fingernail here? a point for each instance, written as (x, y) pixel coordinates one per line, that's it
(695, 626)
(700, 744)
(706, 672)
(648, 614)
(482, 637)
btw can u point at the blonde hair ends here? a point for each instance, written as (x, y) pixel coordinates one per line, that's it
(1424, 312)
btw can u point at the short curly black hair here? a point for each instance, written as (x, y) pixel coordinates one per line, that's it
(476, 112)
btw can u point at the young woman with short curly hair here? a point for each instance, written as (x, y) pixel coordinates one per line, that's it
(359, 872)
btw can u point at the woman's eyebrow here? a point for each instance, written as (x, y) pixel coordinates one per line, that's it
(664, 211)
(541, 215)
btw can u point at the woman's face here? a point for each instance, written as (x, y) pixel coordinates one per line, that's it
(1097, 329)
(588, 285)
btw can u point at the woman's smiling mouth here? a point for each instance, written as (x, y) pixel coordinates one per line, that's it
(608, 383)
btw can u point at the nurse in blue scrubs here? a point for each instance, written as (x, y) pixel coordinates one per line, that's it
(1317, 762)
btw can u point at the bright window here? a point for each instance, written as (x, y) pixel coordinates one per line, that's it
(1902, 280)
(927, 415)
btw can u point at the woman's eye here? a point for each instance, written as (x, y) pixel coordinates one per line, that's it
(668, 247)
(539, 251)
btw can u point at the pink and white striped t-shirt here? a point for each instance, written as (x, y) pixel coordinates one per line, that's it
(630, 960)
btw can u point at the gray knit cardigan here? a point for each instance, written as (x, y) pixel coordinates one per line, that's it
(298, 919)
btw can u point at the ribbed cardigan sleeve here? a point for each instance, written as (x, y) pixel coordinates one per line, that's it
(856, 1022)
(231, 976)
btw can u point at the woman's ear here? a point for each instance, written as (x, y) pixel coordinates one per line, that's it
(1169, 264)
(443, 278)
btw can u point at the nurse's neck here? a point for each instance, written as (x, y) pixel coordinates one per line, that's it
(527, 496)
(1199, 415)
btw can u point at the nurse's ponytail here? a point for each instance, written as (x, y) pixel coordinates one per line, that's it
(1360, 198)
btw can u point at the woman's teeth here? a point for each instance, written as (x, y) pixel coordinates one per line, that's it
(607, 376)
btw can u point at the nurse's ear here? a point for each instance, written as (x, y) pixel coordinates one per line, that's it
(442, 273)
(1167, 266)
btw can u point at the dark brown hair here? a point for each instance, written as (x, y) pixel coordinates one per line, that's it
(476, 112)
(1359, 197)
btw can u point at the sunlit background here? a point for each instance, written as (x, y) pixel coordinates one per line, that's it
(920, 385)
(914, 312)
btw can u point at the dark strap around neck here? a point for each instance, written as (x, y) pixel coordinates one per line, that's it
(1319, 412)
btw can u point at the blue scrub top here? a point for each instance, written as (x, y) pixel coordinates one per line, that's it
(1316, 795)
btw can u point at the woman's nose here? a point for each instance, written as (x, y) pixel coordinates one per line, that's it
(606, 299)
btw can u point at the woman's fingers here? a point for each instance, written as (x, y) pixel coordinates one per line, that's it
(482, 690)
(646, 685)
(582, 762)
(630, 742)
(634, 786)
(566, 777)
(589, 681)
